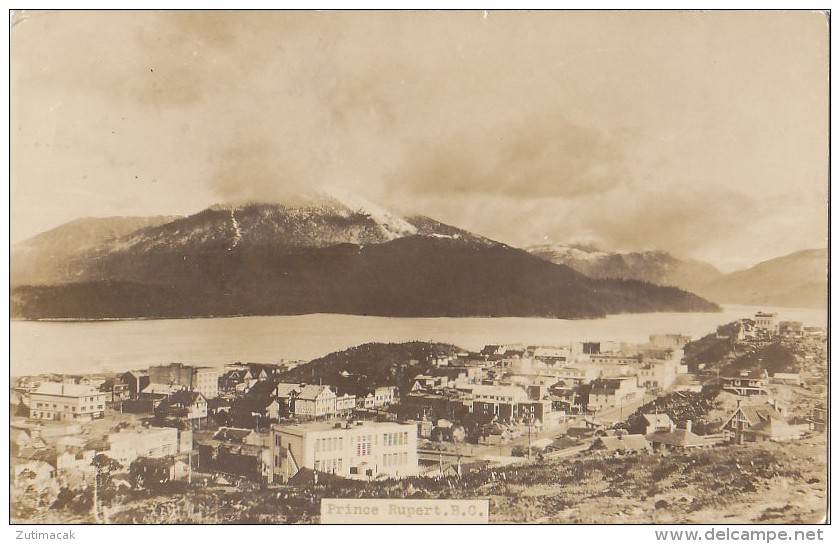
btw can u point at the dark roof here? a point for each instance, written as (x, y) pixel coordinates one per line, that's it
(232, 434)
(306, 476)
(627, 442)
(182, 398)
(263, 389)
(757, 413)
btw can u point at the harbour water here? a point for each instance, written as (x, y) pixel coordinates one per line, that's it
(103, 346)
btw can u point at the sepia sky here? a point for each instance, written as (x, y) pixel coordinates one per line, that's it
(704, 134)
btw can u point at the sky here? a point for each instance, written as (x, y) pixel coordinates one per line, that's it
(700, 133)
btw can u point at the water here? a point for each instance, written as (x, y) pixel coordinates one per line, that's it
(86, 347)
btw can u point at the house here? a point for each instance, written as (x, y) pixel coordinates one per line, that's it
(315, 401)
(37, 475)
(355, 450)
(747, 383)
(236, 435)
(66, 402)
(818, 418)
(206, 381)
(658, 374)
(116, 390)
(677, 439)
(127, 445)
(183, 404)
(345, 404)
(765, 322)
(158, 392)
(627, 443)
(658, 423)
(615, 359)
(172, 374)
(606, 393)
(786, 378)
(230, 379)
(790, 329)
(669, 341)
(760, 422)
(553, 356)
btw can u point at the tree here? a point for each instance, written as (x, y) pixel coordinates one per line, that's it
(104, 483)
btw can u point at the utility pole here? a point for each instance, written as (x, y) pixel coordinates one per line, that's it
(96, 496)
(530, 420)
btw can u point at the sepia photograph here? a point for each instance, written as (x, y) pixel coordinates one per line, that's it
(534, 267)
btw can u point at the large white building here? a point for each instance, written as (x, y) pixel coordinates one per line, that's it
(356, 450)
(128, 445)
(66, 402)
(206, 381)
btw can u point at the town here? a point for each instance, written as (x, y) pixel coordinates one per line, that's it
(90, 448)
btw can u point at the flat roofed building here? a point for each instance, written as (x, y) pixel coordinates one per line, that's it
(66, 402)
(206, 381)
(355, 450)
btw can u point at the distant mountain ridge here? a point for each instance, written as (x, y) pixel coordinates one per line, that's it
(796, 280)
(321, 254)
(42, 258)
(657, 267)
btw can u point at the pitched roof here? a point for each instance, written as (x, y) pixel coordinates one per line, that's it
(774, 428)
(285, 389)
(658, 420)
(183, 398)
(262, 389)
(233, 434)
(627, 442)
(678, 437)
(756, 413)
(311, 392)
(161, 389)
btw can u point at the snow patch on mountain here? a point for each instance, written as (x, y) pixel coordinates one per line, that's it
(392, 226)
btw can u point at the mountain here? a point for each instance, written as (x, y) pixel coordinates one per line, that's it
(323, 254)
(42, 258)
(796, 280)
(657, 267)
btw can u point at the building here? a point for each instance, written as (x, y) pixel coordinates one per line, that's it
(627, 443)
(669, 341)
(787, 378)
(498, 394)
(615, 359)
(183, 404)
(384, 395)
(553, 356)
(746, 384)
(66, 402)
(136, 381)
(158, 392)
(356, 450)
(761, 422)
(658, 423)
(658, 374)
(172, 374)
(765, 322)
(345, 404)
(314, 401)
(155, 442)
(678, 439)
(612, 393)
(790, 329)
(206, 381)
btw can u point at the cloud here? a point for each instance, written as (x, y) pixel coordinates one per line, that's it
(537, 156)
